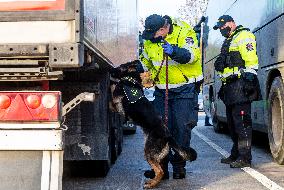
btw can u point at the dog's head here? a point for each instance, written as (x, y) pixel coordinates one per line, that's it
(119, 78)
(126, 70)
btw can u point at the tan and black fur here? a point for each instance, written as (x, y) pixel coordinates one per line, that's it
(158, 140)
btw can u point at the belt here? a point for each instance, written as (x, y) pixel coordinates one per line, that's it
(230, 79)
(190, 80)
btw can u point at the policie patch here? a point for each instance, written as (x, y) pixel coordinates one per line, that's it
(249, 47)
(189, 41)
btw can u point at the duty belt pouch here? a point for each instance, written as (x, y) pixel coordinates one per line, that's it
(250, 86)
(234, 93)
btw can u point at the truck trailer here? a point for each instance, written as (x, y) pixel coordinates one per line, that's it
(55, 57)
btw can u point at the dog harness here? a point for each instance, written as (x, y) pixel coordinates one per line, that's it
(132, 89)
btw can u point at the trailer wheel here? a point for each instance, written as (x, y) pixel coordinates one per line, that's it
(276, 120)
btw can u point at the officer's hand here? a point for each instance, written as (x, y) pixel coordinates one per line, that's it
(168, 48)
(220, 63)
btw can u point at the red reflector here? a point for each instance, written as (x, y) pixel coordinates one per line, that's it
(242, 113)
(18, 110)
(5, 101)
(30, 106)
(33, 101)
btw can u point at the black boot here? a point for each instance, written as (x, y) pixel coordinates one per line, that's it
(179, 173)
(151, 174)
(207, 121)
(208, 124)
(228, 160)
(240, 164)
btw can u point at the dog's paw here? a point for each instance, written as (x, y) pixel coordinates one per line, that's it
(150, 184)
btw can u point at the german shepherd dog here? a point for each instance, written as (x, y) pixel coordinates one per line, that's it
(128, 99)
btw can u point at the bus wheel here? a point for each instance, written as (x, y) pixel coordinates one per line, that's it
(276, 118)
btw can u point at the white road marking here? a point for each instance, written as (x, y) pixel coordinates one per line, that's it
(255, 174)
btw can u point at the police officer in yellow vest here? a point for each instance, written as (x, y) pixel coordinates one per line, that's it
(237, 67)
(178, 40)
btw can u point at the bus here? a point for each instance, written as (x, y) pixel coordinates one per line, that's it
(266, 20)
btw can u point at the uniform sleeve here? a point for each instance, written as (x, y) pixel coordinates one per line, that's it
(147, 63)
(180, 55)
(191, 45)
(247, 49)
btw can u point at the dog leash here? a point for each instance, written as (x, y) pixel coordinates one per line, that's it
(166, 103)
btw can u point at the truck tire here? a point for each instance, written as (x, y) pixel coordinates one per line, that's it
(276, 120)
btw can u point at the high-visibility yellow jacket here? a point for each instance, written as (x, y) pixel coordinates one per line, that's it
(182, 38)
(243, 42)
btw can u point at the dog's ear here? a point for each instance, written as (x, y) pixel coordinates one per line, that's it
(115, 72)
(135, 66)
(124, 69)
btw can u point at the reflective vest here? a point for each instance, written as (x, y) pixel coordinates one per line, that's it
(182, 36)
(245, 43)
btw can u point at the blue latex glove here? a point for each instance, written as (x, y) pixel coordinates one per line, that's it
(168, 48)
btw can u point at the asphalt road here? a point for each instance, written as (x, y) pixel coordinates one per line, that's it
(205, 173)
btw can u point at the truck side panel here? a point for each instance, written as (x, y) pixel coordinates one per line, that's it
(107, 29)
(112, 29)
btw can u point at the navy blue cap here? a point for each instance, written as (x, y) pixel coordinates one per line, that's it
(222, 21)
(152, 24)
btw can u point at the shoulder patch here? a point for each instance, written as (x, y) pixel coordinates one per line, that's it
(189, 41)
(249, 47)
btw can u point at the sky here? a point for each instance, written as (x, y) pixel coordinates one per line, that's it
(162, 7)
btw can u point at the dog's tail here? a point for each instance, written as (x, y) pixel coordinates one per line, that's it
(186, 153)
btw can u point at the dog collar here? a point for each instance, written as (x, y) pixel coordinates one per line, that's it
(130, 79)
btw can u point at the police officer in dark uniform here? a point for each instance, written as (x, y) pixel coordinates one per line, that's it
(237, 67)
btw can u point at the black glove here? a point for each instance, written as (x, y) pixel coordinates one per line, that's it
(250, 86)
(220, 63)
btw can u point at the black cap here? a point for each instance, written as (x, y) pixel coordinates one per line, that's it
(152, 24)
(222, 21)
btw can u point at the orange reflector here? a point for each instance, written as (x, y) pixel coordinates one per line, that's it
(33, 101)
(5, 101)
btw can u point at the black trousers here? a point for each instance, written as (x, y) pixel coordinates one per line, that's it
(239, 123)
(183, 116)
